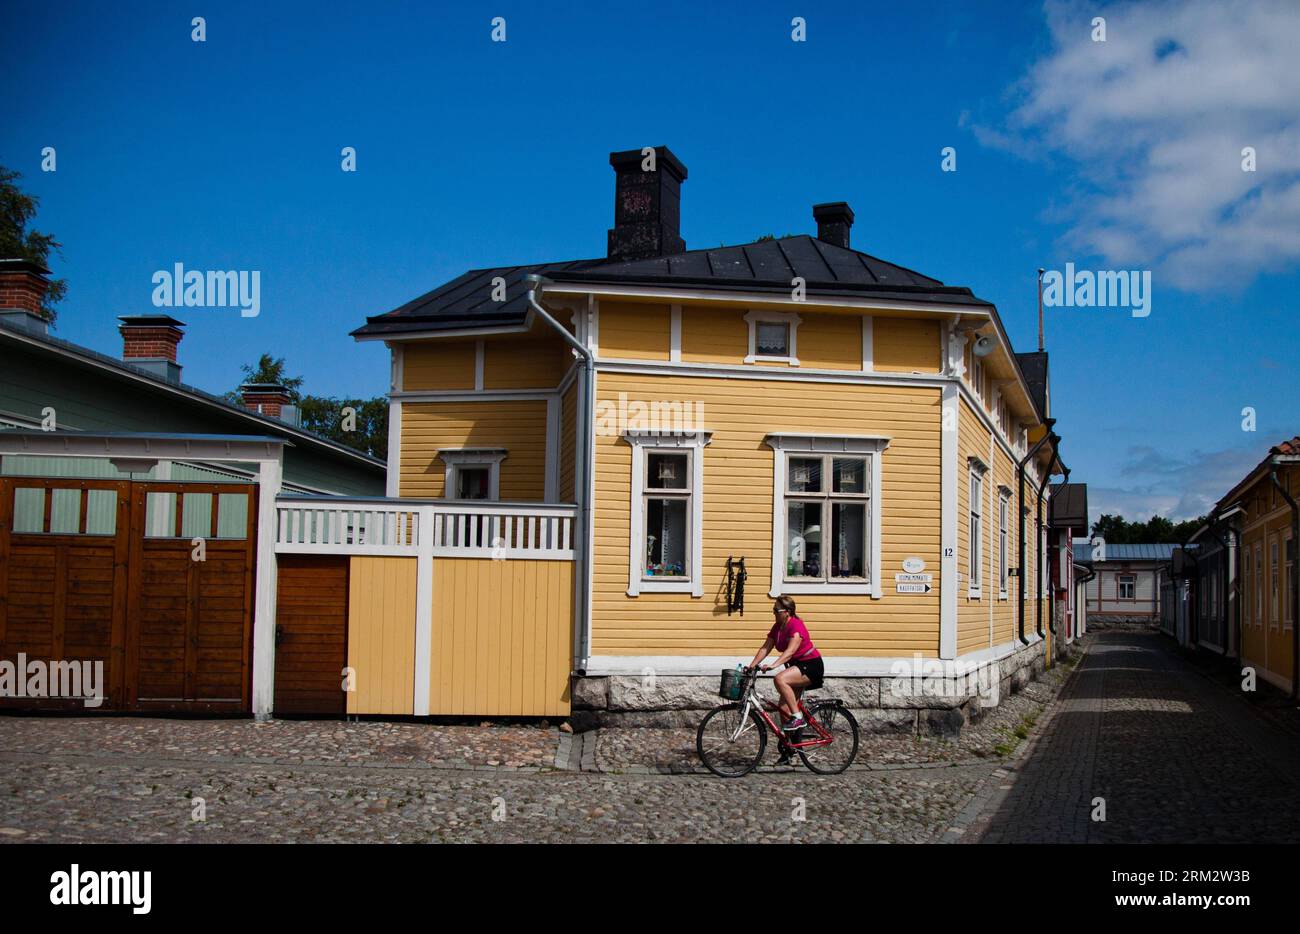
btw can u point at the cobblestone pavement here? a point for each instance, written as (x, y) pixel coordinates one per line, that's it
(138, 779)
(1176, 757)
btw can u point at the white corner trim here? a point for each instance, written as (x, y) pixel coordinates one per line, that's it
(948, 522)
(752, 318)
(593, 325)
(868, 344)
(479, 354)
(675, 334)
(393, 472)
(641, 443)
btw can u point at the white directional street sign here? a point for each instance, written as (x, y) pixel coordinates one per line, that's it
(913, 583)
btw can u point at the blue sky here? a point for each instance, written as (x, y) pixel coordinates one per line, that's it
(225, 154)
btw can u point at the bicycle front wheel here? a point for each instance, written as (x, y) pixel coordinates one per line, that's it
(838, 755)
(729, 744)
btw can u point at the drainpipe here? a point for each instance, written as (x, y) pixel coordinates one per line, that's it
(1020, 480)
(536, 284)
(1295, 567)
(1047, 475)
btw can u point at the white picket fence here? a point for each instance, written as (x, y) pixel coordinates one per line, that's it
(377, 526)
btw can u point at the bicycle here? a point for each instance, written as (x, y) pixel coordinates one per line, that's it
(731, 738)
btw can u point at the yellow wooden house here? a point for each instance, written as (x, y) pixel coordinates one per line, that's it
(620, 460)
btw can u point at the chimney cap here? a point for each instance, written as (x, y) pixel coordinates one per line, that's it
(629, 158)
(149, 321)
(23, 265)
(833, 210)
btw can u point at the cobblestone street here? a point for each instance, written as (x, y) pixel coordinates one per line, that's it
(1175, 755)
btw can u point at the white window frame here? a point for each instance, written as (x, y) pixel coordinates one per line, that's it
(1119, 585)
(1274, 567)
(788, 318)
(457, 459)
(785, 445)
(976, 472)
(642, 444)
(1004, 513)
(1259, 585)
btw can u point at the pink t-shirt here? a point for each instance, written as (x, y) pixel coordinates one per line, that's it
(782, 638)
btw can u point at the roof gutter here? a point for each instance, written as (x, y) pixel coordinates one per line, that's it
(586, 457)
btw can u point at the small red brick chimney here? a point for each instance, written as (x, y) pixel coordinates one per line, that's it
(149, 342)
(265, 398)
(22, 289)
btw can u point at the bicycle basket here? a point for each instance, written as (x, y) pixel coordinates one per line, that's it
(733, 683)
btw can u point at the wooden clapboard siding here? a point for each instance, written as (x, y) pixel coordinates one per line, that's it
(502, 637)
(1267, 645)
(568, 443)
(381, 635)
(311, 650)
(430, 365)
(1003, 473)
(534, 361)
(518, 425)
(711, 335)
(903, 345)
(738, 474)
(829, 342)
(633, 331)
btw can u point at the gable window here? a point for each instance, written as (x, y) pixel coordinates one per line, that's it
(826, 517)
(976, 545)
(772, 337)
(472, 473)
(667, 512)
(1127, 587)
(1004, 502)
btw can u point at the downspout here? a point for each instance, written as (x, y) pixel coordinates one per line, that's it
(1047, 475)
(1295, 571)
(1020, 501)
(536, 284)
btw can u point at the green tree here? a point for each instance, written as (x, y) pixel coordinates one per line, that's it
(17, 210)
(364, 428)
(1155, 531)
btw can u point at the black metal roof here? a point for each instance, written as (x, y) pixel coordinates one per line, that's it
(765, 265)
(1069, 507)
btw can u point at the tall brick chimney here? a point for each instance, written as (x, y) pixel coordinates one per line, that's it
(647, 205)
(149, 342)
(833, 222)
(22, 290)
(269, 399)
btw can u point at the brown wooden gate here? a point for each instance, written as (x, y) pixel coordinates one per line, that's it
(311, 634)
(153, 579)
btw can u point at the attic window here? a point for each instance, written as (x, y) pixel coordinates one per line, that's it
(772, 337)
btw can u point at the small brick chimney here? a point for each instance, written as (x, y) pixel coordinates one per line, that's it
(149, 342)
(833, 222)
(647, 205)
(269, 399)
(22, 291)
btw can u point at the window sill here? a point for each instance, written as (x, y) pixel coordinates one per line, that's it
(813, 587)
(974, 595)
(754, 358)
(659, 585)
(1002, 595)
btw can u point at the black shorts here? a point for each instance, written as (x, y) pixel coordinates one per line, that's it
(813, 670)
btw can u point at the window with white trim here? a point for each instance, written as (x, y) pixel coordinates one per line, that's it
(1246, 585)
(1127, 587)
(1288, 597)
(772, 337)
(1259, 585)
(1004, 503)
(666, 528)
(826, 522)
(1273, 594)
(472, 473)
(976, 526)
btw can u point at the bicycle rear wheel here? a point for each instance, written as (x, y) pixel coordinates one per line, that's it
(728, 746)
(839, 753)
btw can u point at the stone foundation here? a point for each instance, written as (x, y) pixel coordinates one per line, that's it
(934, 702)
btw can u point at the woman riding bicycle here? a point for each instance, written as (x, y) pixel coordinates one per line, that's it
(804, 668)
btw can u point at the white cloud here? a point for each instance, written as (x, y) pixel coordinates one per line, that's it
(1178, 488)
(1156, 118)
